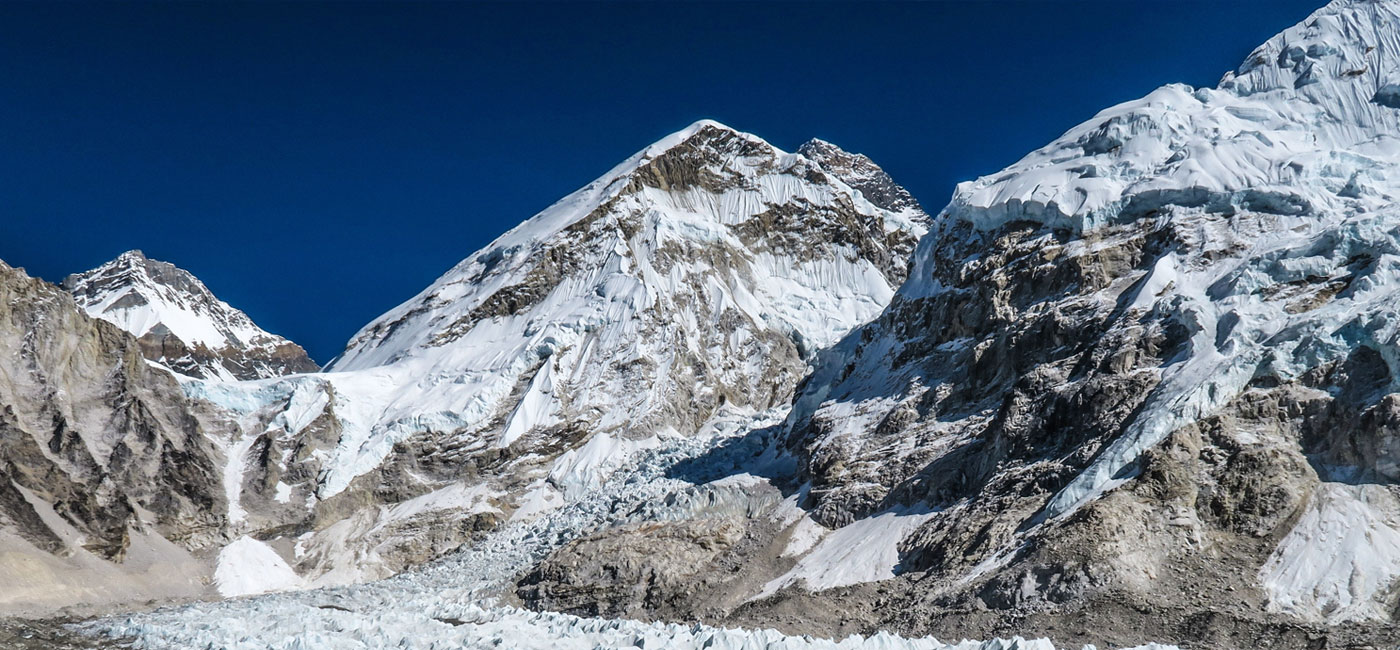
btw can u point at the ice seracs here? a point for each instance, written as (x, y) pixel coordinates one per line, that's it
(180, 323)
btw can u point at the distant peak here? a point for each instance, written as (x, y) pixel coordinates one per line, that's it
(181, 324)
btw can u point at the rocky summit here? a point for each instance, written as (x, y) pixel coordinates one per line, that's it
(1140, 386)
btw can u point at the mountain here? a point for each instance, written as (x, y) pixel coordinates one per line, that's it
(863, 175)
(689, 286)
(108, 473)
(1141, 383)
(179, 322)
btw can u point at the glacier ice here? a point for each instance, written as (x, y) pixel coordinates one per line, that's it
(451, 603)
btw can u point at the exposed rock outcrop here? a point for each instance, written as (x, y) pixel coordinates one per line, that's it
(109, 484)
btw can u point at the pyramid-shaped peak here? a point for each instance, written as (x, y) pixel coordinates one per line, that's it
(180, 323)
(707, 186)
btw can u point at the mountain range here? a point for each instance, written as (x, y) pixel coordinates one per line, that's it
(1138, 386)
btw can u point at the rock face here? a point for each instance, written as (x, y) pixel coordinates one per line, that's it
(1139, 385)
(180, 324)
(1169, 333)
(108, 482)
(861, 174)
(696, 279)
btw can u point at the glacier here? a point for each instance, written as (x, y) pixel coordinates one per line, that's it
(455, 602)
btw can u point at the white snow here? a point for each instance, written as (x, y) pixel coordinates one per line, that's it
(866, 550)
(248, 566)
(473, 626)
(578, 470)
(236, 454)
(804, 535)
(1341, 559)
(458, 496)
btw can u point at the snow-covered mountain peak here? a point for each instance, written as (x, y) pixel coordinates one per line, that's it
(1307, 123)
(699, 274)
(700, 183)
(180, 323)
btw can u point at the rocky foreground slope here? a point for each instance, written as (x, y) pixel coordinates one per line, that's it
(108, 476)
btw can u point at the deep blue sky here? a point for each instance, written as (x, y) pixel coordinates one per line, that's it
(317, 164)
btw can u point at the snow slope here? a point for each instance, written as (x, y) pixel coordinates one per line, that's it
(247, 567)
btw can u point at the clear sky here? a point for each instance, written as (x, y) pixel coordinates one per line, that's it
(317, 164)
